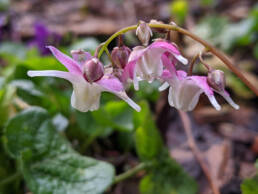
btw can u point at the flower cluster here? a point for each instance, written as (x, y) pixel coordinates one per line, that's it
(149, 62)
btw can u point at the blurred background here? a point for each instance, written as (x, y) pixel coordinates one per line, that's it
(228, 139)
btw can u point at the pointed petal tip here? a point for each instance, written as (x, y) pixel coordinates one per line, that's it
(163, 87)
(214, 102)
(30, 73)
(235, 106)
(181, 59)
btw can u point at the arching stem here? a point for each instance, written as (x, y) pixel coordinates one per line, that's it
(204, 63)
(208, 46)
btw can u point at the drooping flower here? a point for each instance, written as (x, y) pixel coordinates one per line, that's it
(87, 76)
(120, 56)
(184, 91)
(146, 63)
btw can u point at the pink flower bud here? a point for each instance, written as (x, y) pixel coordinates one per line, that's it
(216, 79)
(144, 33)
(120, 56)
(93, 70)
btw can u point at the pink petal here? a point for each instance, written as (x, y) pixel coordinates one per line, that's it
(129, 71)
(81, 56)
(110, 83)
(52, 73)
(166, 46)
(201, 81)
(172, 49)
(168, 64)
(113, 85)
(67, 61)
(227, 97)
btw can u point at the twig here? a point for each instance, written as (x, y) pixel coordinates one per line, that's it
(190, 71)
(187, 127)
(204, 63)
(130, 173)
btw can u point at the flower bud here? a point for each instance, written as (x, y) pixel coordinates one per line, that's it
(120, 56)
(216, 79)
(93, 70)
(143, 32)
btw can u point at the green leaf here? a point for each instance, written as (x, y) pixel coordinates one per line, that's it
(49, 164)
(179, 9)
(121, 115)
(27, 90)
(28, 131)
(167, 177)
(64, 171)
(14, 49)
(148, 91)
(6, 170)
(6, 95)
(43, 63)
(148, 141)
(115, 114)
(250, 186)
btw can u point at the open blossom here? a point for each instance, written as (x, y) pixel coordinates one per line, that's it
(86, 73)
(146, 63)
(184, 91)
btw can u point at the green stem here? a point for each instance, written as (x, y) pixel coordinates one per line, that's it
(130, 173)
(208, 46)
(10, 179)
(122, 31)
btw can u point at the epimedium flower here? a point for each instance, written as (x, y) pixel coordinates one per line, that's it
(86, 73)
(184, 91)
(146, 63)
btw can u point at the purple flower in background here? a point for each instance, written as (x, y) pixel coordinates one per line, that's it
(44, 37)
(86, 73)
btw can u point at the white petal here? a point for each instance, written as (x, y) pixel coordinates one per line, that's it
(52, 73)
(164, 86)
(135, 81)
(194, 101)
(214, 102)
(181, 59)
(170, 97)
(124, 96)
(229, 100)
(85, 96)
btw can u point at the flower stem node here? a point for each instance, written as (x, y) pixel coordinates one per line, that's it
(120, 56)
(216, 79)
(144, 33)
(93, 70)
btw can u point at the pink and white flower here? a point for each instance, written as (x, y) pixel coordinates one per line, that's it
(146, 63)
(185, 91)
(86, 94)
